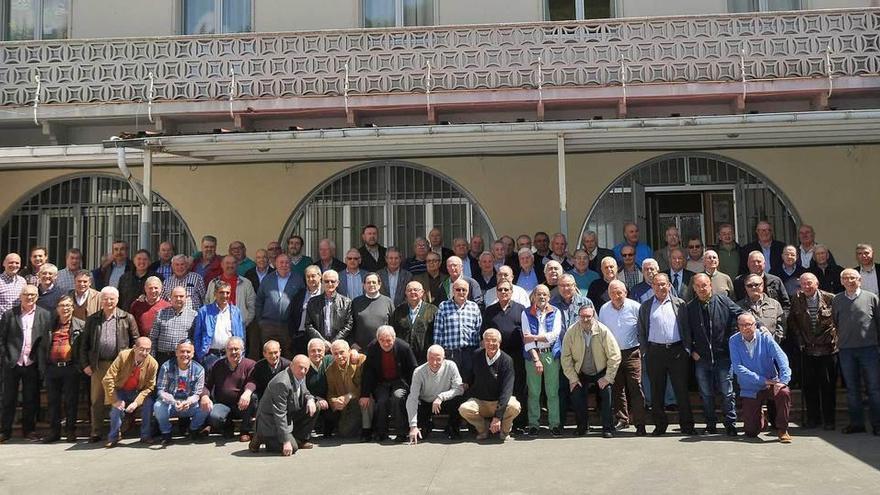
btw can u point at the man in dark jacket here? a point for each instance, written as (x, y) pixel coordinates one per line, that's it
(712, 321)
(387, 375)
(764, 244)
(339, 307)
(22, 335)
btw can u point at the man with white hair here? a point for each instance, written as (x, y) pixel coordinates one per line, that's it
(351, 280)
(105, 335)
(856, 314)
(228, 392)
(344, 377)
(457, 326)
(528, 277)
(505, 273)
(50, 293)
(181, 276)
(287, 412)
(490, 386)
(721, 282)
(436, 388)
(387, 375)
(642, 291)
(454, 269)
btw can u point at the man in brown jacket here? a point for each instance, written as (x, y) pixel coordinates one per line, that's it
(129, 384)
(343, 390)
(106, 333)
(811, 322)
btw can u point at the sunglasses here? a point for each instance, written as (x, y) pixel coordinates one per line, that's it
(753, 286)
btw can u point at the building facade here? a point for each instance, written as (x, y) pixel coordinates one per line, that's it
(264, 119)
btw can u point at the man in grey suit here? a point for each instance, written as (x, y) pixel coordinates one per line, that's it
(394, 278)
(286, 414)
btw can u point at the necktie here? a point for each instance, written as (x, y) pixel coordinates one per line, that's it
(675, 283)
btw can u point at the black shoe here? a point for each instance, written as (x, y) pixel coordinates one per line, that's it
(580, 431)
(167, 440)
(533, 431)
(607, 434)
(556, 431)
(848, 430)
(380, 437)
(658, 431)
(640, 431)
(366, 435)
(829, 427)
(52, 438)
(455, 434)
(730, 431)
(517, 431)
(689, 431)
(710, 430)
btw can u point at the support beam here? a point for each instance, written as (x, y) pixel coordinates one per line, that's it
(560, 163)
(145, 234)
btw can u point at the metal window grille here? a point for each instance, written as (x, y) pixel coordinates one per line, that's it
(403, 200)
(755, 198)
(89, 212)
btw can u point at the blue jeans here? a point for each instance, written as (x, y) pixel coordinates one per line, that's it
(116, 415)
(462, 358)
(165, 411)
(854, 363)
(715, 378)
(221, 412)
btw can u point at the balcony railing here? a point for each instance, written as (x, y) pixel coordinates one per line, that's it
(331, 63)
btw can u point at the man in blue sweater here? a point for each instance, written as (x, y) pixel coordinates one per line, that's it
(762, 371)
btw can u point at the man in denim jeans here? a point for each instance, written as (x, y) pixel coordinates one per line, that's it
(712, 320)
(129, 384)
(856, 313)
(178, 387)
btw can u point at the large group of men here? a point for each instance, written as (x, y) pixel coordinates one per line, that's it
(288, 347)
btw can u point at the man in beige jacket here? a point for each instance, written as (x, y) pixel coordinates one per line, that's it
(590, 355)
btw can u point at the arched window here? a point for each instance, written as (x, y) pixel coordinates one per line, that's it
(696, 192)
(404, 200)
(89, 212)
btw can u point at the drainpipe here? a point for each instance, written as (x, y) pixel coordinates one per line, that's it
(144, 199)
(560, 163)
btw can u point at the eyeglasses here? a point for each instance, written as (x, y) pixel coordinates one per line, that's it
(697, 246)
(627, 255)
(331, 282)
(753, 286)
(352, 258)
(502, 289)
(460, 289)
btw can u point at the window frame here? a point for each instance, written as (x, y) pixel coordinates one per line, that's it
(6, 12)
(218, 19)
(399, 14)
(764, 6)
(580, 10)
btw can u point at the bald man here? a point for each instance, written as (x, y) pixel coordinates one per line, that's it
(129, 384)
(286, 413)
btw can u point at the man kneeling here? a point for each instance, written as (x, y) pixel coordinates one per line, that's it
(286, 413)
(762, 371)
(436, 388)
(491, 388)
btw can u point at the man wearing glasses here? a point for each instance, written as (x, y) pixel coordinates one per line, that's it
(457, 326)
(329, 317)
(351, 280)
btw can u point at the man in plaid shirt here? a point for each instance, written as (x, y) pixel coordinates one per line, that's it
(178, 388)
(172, 325)
(457, 326)
(181, 276)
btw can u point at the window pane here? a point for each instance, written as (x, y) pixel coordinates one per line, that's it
(742, 5)
(598, 9)
(418, 12)
(378, 13)
(237, 16)
(198, 17)
(21, 20)
(56, 15)
(783, 4)
(559, 10)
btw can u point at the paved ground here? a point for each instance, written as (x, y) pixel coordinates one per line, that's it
(821, 463)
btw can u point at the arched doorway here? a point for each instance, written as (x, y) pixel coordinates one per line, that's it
(403, 199)
(88, 212)
(696, 192)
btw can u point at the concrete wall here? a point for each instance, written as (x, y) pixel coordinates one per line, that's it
(270, 192)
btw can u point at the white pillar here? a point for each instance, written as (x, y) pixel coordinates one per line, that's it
(146, 230)
(560, 160)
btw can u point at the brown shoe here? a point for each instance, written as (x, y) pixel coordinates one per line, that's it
(784, 437)
(305, 445)
(111, 444)
(254, 445)
(244, 437)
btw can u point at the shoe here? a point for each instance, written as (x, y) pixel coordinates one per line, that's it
(147, 440)
(658, 431)
(94, 439)
(809, 425)
(167, 440)
(850, 429)
(71, 437)
(640, 431)
(401, 438)
(503, 437)
(516, 431)
(556, 431)
(111, 443)
(482, 436)
(711, 430)
(366, 435)
(533, 431)
(580, 431)
(730, 431)
(689, 431)
(784, 437)
(454, 434)
(244, 437)
(33, 436)
(621, 426)
(607, 434)
(205, 432)
(254, 444)
(4, 437)
(380, 437)
(54, 437)
(308, 445)
(829, 427)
